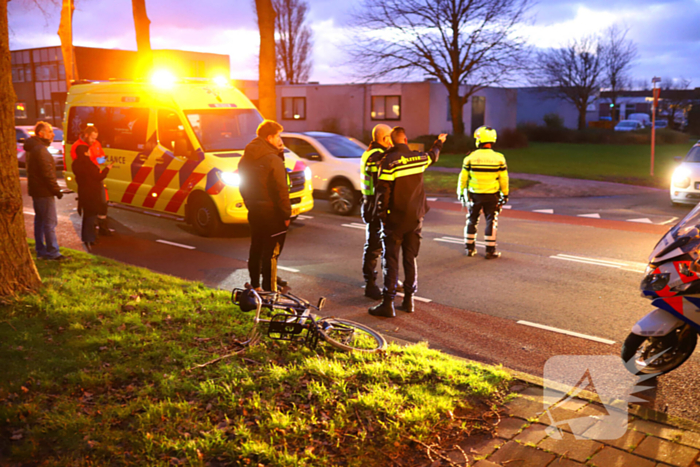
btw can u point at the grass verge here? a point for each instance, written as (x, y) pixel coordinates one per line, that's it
(446, 183)
(613, 163)
(97, 370)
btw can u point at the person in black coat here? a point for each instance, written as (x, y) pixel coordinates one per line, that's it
(90, 188)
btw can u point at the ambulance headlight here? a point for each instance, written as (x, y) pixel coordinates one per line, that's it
(307, 173)
(53, 150)
(681, 177)
(230, 178)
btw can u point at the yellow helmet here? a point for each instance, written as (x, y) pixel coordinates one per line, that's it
(485, 134)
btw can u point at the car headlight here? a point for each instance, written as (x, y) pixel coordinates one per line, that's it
(307, 173)
(53, 150)
(230, 178)
(681, 177)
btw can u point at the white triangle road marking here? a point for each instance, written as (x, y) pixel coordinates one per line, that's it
(431, 199)
(595, 215)
(643, 220)
(544, 211)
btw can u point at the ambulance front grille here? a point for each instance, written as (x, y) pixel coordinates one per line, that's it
(296, 181)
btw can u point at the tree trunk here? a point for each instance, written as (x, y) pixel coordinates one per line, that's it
(65, 33)
(268, 59)
(17, 270)
(456, 106)
(582, 117)
(143, 36)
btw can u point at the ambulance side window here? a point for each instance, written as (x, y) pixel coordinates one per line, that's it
(129, 127)
(171, 132)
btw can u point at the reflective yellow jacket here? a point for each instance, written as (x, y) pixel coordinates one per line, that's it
(484, 171)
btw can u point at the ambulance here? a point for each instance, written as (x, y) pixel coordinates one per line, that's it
(175, 145)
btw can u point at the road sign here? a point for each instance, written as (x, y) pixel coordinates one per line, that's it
(656, 79)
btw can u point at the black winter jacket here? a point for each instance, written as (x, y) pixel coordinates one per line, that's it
(90, 188)
(41, 169)
(401, 202)
(264, 180)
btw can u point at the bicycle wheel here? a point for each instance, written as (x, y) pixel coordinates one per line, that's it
(348, 335)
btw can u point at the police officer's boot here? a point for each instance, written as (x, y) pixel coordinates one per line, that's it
(373, 291)
(384, 309)
(407, 304)
(471, 250)
(103, 227)
(491, 253)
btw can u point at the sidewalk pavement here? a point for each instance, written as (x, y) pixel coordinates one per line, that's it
(522, 438)
(562, 187)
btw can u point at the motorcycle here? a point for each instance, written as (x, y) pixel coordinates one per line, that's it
(665, 338)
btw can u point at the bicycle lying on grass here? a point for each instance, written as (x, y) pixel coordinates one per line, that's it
(291, 319)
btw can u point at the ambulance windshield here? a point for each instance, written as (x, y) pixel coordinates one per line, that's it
(224, 129)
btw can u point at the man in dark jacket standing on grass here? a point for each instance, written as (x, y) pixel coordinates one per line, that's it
(42, 187)
(266, 195)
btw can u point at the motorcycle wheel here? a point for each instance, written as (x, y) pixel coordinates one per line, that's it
(658, 355)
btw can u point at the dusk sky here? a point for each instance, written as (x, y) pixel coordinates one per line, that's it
(666, 31)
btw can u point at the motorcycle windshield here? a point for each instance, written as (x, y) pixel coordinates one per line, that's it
(671, 245)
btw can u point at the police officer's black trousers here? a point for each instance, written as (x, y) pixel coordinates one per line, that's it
(487, 202)
(373, 250)
(267, 234)
(406, 243)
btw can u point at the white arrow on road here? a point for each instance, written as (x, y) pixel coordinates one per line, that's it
(643, 220)
(544, 211)
(595, 215)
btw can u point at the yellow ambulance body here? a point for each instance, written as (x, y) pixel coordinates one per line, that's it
(175, 148)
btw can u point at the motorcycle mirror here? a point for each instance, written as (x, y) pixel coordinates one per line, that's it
(694, 266)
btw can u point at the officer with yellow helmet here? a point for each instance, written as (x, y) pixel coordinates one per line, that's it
(483, 186)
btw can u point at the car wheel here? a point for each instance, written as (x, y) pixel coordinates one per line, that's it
(343, 198)
(205, 217)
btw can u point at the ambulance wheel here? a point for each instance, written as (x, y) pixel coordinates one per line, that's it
(342, 197)
(205, 217)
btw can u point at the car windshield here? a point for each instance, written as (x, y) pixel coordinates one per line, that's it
(224, 129)
(341, 147)
(693, 155)
(57, 135)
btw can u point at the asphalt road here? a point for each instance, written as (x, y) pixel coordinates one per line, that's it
(577, 274)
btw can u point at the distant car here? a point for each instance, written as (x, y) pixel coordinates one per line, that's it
(23, 133)
(641, 117)
(661, 124)
(334, 161)
(685, 183)
(629, 125)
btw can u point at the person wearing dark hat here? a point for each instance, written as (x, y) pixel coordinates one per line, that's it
(89, 179)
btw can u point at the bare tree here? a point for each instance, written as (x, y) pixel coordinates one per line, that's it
(675, 99)
(17, 270)
(293, 41)
(266, 68)
(65, 33)
(574, 72)
(619, 53)
(143, 34)
(466, 44)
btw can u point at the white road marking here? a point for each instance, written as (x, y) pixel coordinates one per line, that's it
(179, 245)
(354, 226)
(457, 202)
(507, 206)
(303, 217)
(544, 211)
(673, 219)
(420, 299)
(628, 266)
(29, 213)
(282, 268)
(643, 220)
(568, 333)
(431, 199)
(595, 215)
(358, 224)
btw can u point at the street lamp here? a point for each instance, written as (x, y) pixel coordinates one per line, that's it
(655, 92)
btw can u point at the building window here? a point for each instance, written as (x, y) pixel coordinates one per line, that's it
(386, 108)
(18, 74)
(20, 110)
(294, 108)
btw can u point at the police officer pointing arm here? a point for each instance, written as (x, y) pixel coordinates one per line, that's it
(483, 186)
(401, 206)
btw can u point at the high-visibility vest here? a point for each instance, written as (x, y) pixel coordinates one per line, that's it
(368, 172)
(484, 171)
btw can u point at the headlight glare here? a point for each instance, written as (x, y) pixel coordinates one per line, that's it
(681, 177)
(230, 178)
(307, 173)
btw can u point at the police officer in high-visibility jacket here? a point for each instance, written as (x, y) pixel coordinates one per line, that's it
(401, 205)
(369, 166)
(483, 186)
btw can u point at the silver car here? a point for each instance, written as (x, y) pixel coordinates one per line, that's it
(23, 133)
(685, 183)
